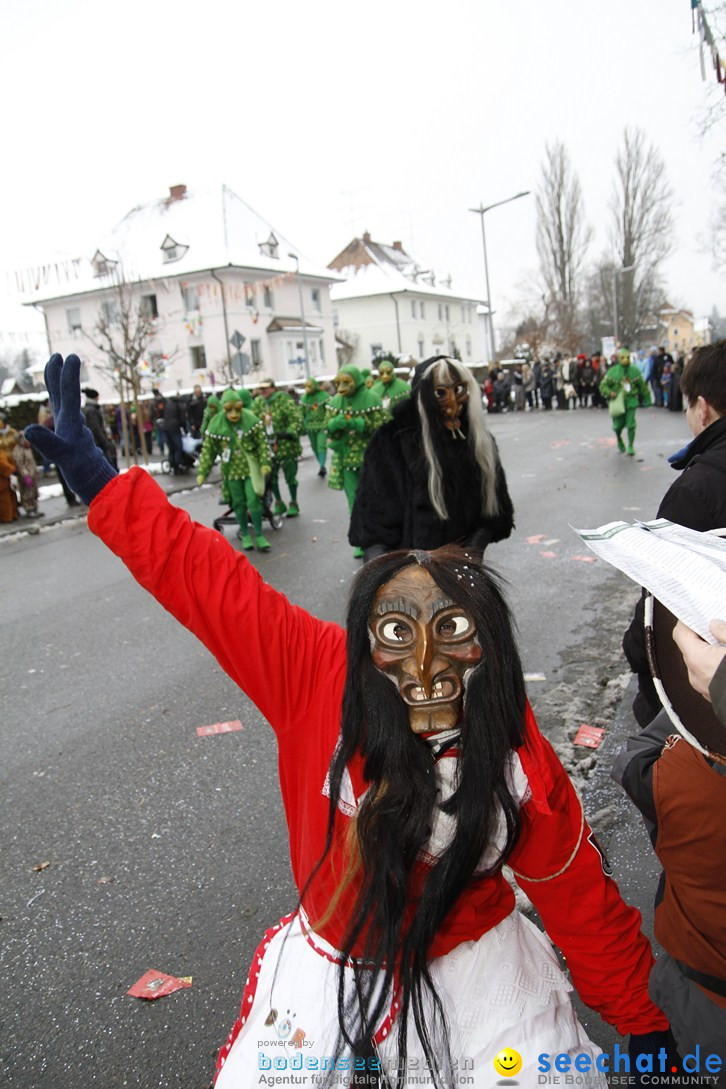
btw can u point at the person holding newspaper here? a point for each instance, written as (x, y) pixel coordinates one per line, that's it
(697, 499)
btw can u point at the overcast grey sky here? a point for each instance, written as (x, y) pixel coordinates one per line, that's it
(334, 116)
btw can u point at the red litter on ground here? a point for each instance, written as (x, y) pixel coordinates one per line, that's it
(538, 537)
(219, 728)
(589, 736)
(157, 985)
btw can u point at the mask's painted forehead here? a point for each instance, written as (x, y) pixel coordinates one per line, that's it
(413, 592)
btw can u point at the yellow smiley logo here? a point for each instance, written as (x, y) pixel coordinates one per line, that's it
(508, 1062)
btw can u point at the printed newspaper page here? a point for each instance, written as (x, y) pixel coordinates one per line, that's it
(689, 581)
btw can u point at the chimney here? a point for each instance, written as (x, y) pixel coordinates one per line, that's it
(177, 192)
(366, 237)
(398, 246)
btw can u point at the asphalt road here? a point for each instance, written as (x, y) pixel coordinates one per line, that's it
(129, 843)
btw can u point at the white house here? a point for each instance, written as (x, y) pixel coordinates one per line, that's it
(389, 303)
(227, 292)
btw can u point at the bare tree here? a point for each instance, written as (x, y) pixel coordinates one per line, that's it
(122, 333)
(641, 234)
(562, 241)
(529, 318)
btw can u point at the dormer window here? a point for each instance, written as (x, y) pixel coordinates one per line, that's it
(269, 248)
(102, 265)
(172, 251)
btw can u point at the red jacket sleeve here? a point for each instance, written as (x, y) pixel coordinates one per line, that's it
(561, 868)
(276, 652)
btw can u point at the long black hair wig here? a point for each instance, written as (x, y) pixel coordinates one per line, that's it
(394, 819)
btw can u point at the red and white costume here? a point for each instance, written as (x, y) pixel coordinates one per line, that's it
(500, 981)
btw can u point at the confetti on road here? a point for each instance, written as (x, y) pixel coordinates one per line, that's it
(549, 555)
(589, 736)
(584, 559)
(534, 677)
(157, 985)
(551, 541)
(219, 728)
(537, 539)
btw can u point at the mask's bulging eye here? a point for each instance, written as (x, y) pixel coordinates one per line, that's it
(454, 626)
(460, 390)
(395, 631)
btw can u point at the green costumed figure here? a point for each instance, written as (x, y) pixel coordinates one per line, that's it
(390, 388)
(237, 437)
(624, 377)
(211, 409)
(283, 426)
(312, 405)
(352, 417)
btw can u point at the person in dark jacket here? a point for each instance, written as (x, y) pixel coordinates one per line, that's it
(195, 412)
(97, 426)
(432, 475)
(697, 499)
(173, 422)
(547, 384)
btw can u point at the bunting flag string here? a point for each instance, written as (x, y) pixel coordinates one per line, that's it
(707, 42)
(31, 279)
(241, 292)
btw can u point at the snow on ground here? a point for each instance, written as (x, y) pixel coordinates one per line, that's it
(54, 491)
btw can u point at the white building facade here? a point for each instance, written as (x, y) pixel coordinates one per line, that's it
(389, 304)
(228, 297)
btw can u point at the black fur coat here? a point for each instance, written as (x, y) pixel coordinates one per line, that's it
(392, 506)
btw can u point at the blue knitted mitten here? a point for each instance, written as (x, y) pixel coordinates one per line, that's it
(71, 445)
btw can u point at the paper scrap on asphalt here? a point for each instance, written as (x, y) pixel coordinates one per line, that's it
(584, 559)
(589, 736)
(534, 677)
(158, 984)
(537, 539)
(219, 728)
(548, 555)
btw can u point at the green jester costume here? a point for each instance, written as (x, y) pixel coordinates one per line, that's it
(282, 420)
(312, 404)
(390, 388)
(237, 437)
(352, 417)
(625, 378)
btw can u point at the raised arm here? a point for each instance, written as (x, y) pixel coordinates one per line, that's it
(276, 652)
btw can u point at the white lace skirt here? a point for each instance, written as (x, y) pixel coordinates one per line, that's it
(505, 991)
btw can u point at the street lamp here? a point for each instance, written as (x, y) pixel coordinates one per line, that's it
(616, 273)
(302, 312)
(480, 211)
